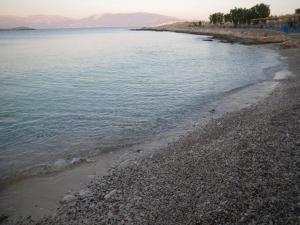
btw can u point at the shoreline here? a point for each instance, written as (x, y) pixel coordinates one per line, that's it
(234, 171)
(32, 201)
(131, 165)
(229, 35)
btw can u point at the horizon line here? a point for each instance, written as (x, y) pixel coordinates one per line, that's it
(94, 14)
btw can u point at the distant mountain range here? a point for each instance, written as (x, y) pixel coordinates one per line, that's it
(104, 20)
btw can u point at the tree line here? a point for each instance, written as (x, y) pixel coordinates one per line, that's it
(241, 15)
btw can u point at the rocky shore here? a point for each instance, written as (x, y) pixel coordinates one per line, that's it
(242, 168)
(244, 36)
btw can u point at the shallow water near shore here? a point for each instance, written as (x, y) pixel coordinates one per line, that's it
(69, 95)
(40, 196)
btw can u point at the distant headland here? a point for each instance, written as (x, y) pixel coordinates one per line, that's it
(17, 28)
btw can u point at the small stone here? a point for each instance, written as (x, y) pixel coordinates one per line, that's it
(83, 192)
(243, 219)
(90, 160)
(114, 211)
(110, 194)
(60, 164)
(68, 198)
(76, 161)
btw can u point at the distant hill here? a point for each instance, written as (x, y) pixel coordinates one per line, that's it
(105, 20)
(16, 28)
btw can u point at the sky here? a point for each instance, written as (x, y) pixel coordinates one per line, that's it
(185, 9)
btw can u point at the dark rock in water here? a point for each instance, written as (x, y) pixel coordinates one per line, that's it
(212, 110)
(208, 39)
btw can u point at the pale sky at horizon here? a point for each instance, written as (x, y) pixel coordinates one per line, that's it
(186, 9)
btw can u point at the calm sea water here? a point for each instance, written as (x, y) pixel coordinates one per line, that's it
(74, 93)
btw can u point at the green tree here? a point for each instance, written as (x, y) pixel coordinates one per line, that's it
(212, 19)
(250, 14)
(220, 18)
(216, 18)
(242, 15)
(228, 18)
(238, 15)
(261, 11)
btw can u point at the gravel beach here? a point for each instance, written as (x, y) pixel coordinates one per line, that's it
(242, 168)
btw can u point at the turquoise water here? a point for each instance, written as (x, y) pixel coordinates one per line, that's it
(77, 93)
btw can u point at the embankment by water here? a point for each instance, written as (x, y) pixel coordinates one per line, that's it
(244, 36)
